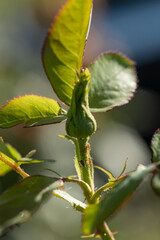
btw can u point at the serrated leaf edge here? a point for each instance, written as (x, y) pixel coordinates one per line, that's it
(134, 70)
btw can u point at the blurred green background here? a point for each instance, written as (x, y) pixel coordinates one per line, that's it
(131, 27)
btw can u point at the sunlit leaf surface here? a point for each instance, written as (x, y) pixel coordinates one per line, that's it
(31, 110)
(64, 46)
(113, 82)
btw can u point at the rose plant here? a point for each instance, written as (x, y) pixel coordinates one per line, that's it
(110, 81)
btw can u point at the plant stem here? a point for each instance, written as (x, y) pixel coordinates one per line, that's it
(105, 232)
(84, 168)
(84, 162)
(17, 169)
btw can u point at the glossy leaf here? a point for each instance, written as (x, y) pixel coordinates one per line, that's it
(31, 110)
(95, 214)
(19, 202)
(155, 146)
(76, 204)
(113, 82)
(64, 46)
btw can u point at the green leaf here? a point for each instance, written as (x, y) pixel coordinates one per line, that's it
(95, 214)
(12, 155)
(31, 153)
(93, 236)
(26, 160)
(156, 183)
(109, 174)
(84, 186)
(123, 170)
(76, 204)
(155, 146)
(13, 152)
(4, 168)
(31, 110)
(29, 161)
(64, 47)
(97, 194)
(8, 150)
(113, 82)
(19, 202)
(111, 182)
